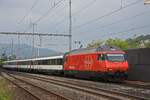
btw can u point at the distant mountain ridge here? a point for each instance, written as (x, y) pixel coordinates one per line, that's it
(26, 50)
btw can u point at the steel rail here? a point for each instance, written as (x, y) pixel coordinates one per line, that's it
(20, 87)
(87, 89)
(61, 97)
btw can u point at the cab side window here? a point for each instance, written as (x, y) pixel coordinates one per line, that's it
(100, 57)
(126, 56)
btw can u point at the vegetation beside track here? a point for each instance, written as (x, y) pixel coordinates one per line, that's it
(1, 63)
(5, 90)
(142, 41)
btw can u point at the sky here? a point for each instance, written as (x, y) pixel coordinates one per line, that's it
(92, 20)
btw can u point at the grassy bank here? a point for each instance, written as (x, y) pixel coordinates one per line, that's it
(5, 90)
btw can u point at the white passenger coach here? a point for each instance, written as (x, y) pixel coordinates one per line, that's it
(42, 64)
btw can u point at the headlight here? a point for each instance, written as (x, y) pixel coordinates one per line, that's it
(110, 69)
(125, 69)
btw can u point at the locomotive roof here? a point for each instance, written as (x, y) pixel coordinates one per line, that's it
(95, 49)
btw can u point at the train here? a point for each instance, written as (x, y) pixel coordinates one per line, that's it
(106, 62)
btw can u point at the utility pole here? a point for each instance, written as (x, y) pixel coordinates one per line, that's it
(19, 49)
(70, 27)
(38, 50)
(39, 46)
(12, 46)
(33, 40)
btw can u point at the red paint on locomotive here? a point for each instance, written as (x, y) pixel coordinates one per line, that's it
(103, 63)
(90, 62)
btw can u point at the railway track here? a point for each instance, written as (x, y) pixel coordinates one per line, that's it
(35, 91)
(140, 84)
(83, 89)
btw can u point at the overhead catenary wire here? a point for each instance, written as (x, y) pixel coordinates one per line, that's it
(57, 13)
(77, 12)
(84, 8)
(128, 30)
(33, 5)
(108, 14)
(123, 20)
(57, 4)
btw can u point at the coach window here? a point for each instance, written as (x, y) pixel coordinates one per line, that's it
(56, 61)
(59, 61)
(21, 63)
(34, 62)
(29, 62)
(24, 63)
(50, 61)
(45, 62)
(53, 61)
(39, 62)
(18, 63)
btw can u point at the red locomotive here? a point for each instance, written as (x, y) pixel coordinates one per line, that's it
(107, 62)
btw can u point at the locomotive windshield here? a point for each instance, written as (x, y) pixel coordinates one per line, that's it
(115, 57)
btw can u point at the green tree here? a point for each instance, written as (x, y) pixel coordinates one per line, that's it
(1, 63)
(117, 42)
(135, 42)
(13, 57)
(95, 44)
(4, 56)
(147, 44)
